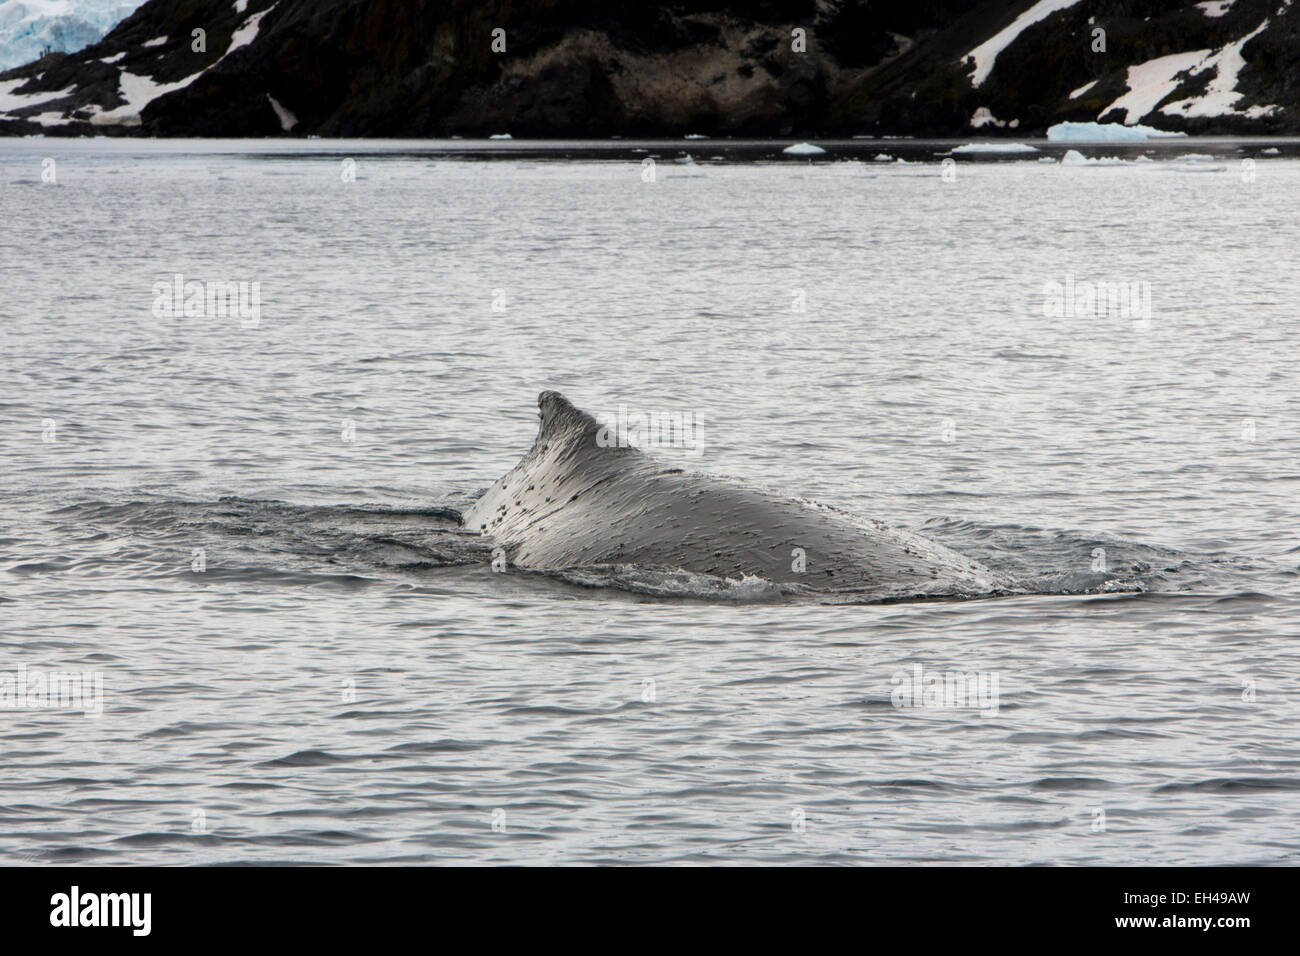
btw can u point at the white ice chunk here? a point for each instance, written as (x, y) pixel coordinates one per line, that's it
(803, 149)
(995, 148)
(1075, 158)
(1104, 133)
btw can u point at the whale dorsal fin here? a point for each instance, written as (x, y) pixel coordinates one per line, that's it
(559, 416)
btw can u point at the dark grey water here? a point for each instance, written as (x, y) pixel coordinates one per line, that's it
(242, 526)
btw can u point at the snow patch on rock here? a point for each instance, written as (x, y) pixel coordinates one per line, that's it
(986, 54)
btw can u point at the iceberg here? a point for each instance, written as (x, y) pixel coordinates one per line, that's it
(803, 149)
(1104, 133)
(995, 148)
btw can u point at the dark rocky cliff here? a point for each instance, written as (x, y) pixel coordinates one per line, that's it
(572, 68)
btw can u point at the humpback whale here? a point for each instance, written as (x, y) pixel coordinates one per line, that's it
(576, 501)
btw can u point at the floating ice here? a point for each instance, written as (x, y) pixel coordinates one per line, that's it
(1104, 133)
(996, 148)
(500, 136)
(1075, 158)
(803, 149)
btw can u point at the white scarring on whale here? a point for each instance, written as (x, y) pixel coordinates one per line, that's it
(574, 502)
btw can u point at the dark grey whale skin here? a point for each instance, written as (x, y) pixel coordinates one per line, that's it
(572, 503)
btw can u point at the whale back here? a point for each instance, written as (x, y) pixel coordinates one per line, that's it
(575, 501)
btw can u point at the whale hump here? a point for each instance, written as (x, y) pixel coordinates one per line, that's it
(578, 499)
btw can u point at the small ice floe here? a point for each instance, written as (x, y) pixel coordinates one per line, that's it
(500, 136)
(883, 158)
(995, 148)
(696, 136)
(686, 160)
(803, 149)
(1075, 158)
(1194, 158)
(1104, 133)
(1271, 151)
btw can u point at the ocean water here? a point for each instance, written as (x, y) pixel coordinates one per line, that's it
(243, 527)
